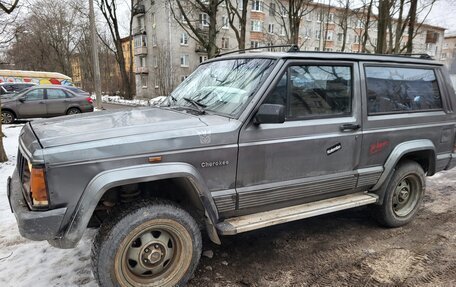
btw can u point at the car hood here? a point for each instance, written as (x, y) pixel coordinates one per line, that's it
(110, 124)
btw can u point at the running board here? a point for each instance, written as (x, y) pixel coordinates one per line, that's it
(250, 222)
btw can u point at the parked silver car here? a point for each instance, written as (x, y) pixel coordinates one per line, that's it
(9, 89)
(44, 101)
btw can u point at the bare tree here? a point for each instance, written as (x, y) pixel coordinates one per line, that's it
(290, 13)
(165, 73)
(109, 11)
(199, 19)
(238, 19)
(8, 10)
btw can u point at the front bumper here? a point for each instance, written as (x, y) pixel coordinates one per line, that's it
(34, 225)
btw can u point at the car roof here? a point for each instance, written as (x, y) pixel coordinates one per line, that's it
(333, 56)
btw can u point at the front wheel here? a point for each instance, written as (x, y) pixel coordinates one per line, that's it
(403, 196)
(148, 244)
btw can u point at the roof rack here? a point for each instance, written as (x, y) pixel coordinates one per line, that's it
(293, 48)
(421, 56)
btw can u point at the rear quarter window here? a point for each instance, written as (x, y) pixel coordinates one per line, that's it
(401, 90)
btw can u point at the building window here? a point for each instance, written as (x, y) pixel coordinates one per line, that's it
(318, 34)
(225, 43)
(306, 33)
(443, 56)
(257, 5)
(319, 16)
(359, 23)
(144, 80)
(155, 61)
(309, 16)
(340, 36)
(256, 26)
(255, 44)
(284, 12)
(203, 58)
(142, 24)
(156, 83)
(184, 39)
(152, 19)
(184, 60)
(204, 19)
(331, 17)
(141, 41)
(272, 9)
(183, 77)
(225, 22)
(316, 49)
(357, 39)
(271, 28)
(240, 4)
(329, 35)
(142, 62)
(154, 40)
(283, 31)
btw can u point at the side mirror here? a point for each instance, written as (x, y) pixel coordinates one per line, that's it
(270, 114)
(21, 100)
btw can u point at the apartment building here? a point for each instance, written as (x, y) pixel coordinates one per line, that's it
(448, 56)
(158, 35)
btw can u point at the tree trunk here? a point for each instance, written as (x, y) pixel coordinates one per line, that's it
(3, 157)
(383, 19)
(366, 26)
(411, 30)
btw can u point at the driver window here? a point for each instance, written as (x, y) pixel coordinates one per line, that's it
(314, 91)
(35, 95)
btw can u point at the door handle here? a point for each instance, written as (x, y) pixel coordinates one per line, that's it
(349, 127)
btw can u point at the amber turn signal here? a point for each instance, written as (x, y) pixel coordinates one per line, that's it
(38, 187)
(155, 159)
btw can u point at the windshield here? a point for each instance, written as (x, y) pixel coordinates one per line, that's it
(222, 87)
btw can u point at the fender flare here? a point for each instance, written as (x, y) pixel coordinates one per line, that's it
(134, 174)
(395, 156)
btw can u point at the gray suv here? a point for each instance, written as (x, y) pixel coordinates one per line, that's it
(245, 142)
(44, 101)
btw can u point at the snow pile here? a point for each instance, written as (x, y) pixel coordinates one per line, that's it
(30, 263)
(135, 102)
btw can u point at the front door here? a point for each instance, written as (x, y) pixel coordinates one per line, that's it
(32, 104)
(314, 154)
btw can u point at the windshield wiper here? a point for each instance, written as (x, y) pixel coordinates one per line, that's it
(199, 106)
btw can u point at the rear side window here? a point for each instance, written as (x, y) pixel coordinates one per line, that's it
(54, 94)
(401, 90)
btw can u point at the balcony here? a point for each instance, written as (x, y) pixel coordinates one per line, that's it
(139, 30)
(142, 70)
(139, 9)
(141, 51)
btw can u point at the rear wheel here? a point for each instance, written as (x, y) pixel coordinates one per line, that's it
(7, 117)
(73, 111)
(149, 244)
(403, 196)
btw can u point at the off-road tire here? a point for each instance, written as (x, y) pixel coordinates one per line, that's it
(111, 251)
(73, 111)
(408, 178)
(7, 117)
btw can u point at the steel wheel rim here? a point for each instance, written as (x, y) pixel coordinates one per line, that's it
(166, 261)
(7, 118)
(406, 195)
